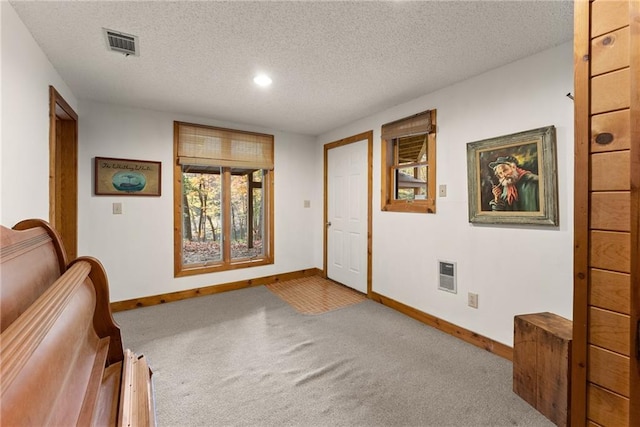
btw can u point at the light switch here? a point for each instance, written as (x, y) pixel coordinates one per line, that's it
(442, 190)
(117, 208)
(307, 203)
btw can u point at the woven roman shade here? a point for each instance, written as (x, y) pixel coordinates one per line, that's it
(413, 125)
(210, 146)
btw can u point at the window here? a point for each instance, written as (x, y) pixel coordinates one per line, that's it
(223, 197)
(409, 164)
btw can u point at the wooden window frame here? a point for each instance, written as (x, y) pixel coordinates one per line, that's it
(227, 263)
(388, 162)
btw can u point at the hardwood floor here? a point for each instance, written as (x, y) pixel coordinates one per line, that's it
(315, 295)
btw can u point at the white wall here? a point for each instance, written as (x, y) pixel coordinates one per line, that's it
(514, 269)
(24, 156)
(137, 246)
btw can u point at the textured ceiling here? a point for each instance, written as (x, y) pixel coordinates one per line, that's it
(331, 62)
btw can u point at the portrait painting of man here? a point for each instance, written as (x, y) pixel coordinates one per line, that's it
(512, 179)
(517, 189)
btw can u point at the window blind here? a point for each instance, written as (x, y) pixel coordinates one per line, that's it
(211, 146)
(413, 125)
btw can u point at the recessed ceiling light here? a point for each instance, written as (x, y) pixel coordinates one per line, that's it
(262, 80)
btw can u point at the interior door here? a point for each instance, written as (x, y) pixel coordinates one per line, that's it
(347, 214)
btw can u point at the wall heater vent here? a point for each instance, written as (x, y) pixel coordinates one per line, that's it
(126, 44)
(447, 276)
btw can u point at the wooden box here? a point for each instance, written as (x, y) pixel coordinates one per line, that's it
(542, 364)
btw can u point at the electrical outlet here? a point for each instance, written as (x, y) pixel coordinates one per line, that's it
(473, 300)
(117, 208)
(307, 203)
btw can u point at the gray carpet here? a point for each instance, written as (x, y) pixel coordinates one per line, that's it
(246, 358)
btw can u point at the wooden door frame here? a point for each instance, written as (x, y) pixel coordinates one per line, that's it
(581, 48)
(368, 136)
(634, 167)
(582, 133)
(63, 170)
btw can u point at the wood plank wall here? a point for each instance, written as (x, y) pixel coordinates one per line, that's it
(606, 204)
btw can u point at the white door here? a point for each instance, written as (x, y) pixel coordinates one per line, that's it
(347, 215)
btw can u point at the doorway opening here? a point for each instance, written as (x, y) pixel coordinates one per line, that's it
(63, 171)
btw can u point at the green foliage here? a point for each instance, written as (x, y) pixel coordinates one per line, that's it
(203, 195)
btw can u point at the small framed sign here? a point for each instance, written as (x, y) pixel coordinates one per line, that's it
(125, 177)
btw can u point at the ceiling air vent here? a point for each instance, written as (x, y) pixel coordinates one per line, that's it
(126, 44)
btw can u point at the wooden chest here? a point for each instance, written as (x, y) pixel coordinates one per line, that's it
(541, 364)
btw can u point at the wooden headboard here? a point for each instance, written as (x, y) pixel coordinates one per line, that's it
(61, 356)
(32, 258)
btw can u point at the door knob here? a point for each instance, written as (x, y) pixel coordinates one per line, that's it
(329, 224)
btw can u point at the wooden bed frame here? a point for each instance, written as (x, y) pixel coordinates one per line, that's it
(61, 356)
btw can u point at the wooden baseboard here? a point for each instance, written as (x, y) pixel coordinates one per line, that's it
(471, 337)
(209, 290)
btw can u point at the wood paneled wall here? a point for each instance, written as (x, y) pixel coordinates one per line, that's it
(607, 177)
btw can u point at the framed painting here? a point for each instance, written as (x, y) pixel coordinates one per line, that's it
(124, 177)
(512, 179)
